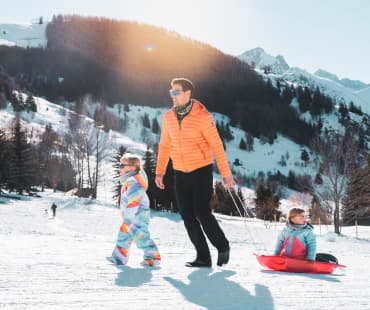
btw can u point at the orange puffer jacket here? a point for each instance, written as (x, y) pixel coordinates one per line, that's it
(189, 143)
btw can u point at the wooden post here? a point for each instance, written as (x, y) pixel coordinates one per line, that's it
(356, 228)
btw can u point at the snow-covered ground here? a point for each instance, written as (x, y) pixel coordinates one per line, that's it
(60, 263)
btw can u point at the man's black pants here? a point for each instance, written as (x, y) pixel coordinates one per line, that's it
(193, 194)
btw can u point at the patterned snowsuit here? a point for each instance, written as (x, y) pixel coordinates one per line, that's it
(297, 241)
(134, 205)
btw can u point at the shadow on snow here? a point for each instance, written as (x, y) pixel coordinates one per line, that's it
(215, 291)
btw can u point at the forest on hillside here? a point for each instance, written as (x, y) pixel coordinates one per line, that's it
(130, 63)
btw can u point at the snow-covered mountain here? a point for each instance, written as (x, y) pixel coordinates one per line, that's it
(344, 90)
(354, 84)
(27, 35)
(258, 58)
(283, 155)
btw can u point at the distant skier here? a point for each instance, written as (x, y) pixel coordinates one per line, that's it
(54, 208)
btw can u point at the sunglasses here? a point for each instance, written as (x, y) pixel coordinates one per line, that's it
(123, 165)
(300, 216)
(175, 92)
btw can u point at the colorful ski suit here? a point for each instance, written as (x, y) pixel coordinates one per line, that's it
(297, 241)
(134, 205)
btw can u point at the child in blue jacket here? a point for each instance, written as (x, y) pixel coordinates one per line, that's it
(297, 239)
(134, 206)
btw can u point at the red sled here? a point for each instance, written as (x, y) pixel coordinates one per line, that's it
(288, 264)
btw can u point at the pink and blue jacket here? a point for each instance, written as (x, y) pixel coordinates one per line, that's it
(134, 202)
(297, 241)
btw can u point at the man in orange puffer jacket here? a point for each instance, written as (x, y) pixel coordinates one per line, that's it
(189, 136)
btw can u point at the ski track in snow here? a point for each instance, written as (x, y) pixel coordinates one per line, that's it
(60, 263)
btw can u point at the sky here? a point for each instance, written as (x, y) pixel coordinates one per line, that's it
(330, 35)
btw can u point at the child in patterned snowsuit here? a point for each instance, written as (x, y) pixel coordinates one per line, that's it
(134, 206)
(297, 239)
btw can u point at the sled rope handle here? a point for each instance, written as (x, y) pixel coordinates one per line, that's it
(245, 223)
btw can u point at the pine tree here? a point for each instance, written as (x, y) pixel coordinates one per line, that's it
(317, 103)
(31, 104)
(149, 168)
(20, 163)
(222, 202)
(356, 201)
(116, 162)
(249, 142)
(146, 120)
(267, 204)
(304, 156)
(155, 126)
(242, 144)
(3, 159)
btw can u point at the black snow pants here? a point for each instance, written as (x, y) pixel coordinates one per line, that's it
(193, 194)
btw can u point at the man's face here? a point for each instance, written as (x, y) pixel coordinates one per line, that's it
(179, 97)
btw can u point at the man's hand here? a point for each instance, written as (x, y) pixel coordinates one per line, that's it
(229, 181)
(159, 181)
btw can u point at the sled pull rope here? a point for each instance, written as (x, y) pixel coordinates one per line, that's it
(245, 223)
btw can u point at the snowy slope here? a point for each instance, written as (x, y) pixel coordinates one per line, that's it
(28, 35)
(261, 60)
(60, 264)
(340, 90)
(354, 84)
(264, 157)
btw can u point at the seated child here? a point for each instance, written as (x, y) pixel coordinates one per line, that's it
(134, 205)
(297, 239)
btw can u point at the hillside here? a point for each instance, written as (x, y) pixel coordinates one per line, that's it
(131, 63)
(341, 90)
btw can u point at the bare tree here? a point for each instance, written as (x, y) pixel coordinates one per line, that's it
(335, 154)
(96, 146)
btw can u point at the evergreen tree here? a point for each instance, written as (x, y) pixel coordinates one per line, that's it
(146, 120)
(304, 156)
(249, 142)
(3, 159)
(287, 95)
(242, 144)
(31, 104)
(116, 162)
(317, 103)
(149, 168)
(222, 202)
(318, 179)
(155, 126)
(304, 99)
(170, 202)
(356, 201)
(21, 164)
(267, 204)
(343, 111)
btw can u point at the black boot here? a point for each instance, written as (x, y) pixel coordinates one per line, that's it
(199, 263)
(223, 257)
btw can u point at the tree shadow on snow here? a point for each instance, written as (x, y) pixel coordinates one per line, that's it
(133, 277)
(215, 291)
